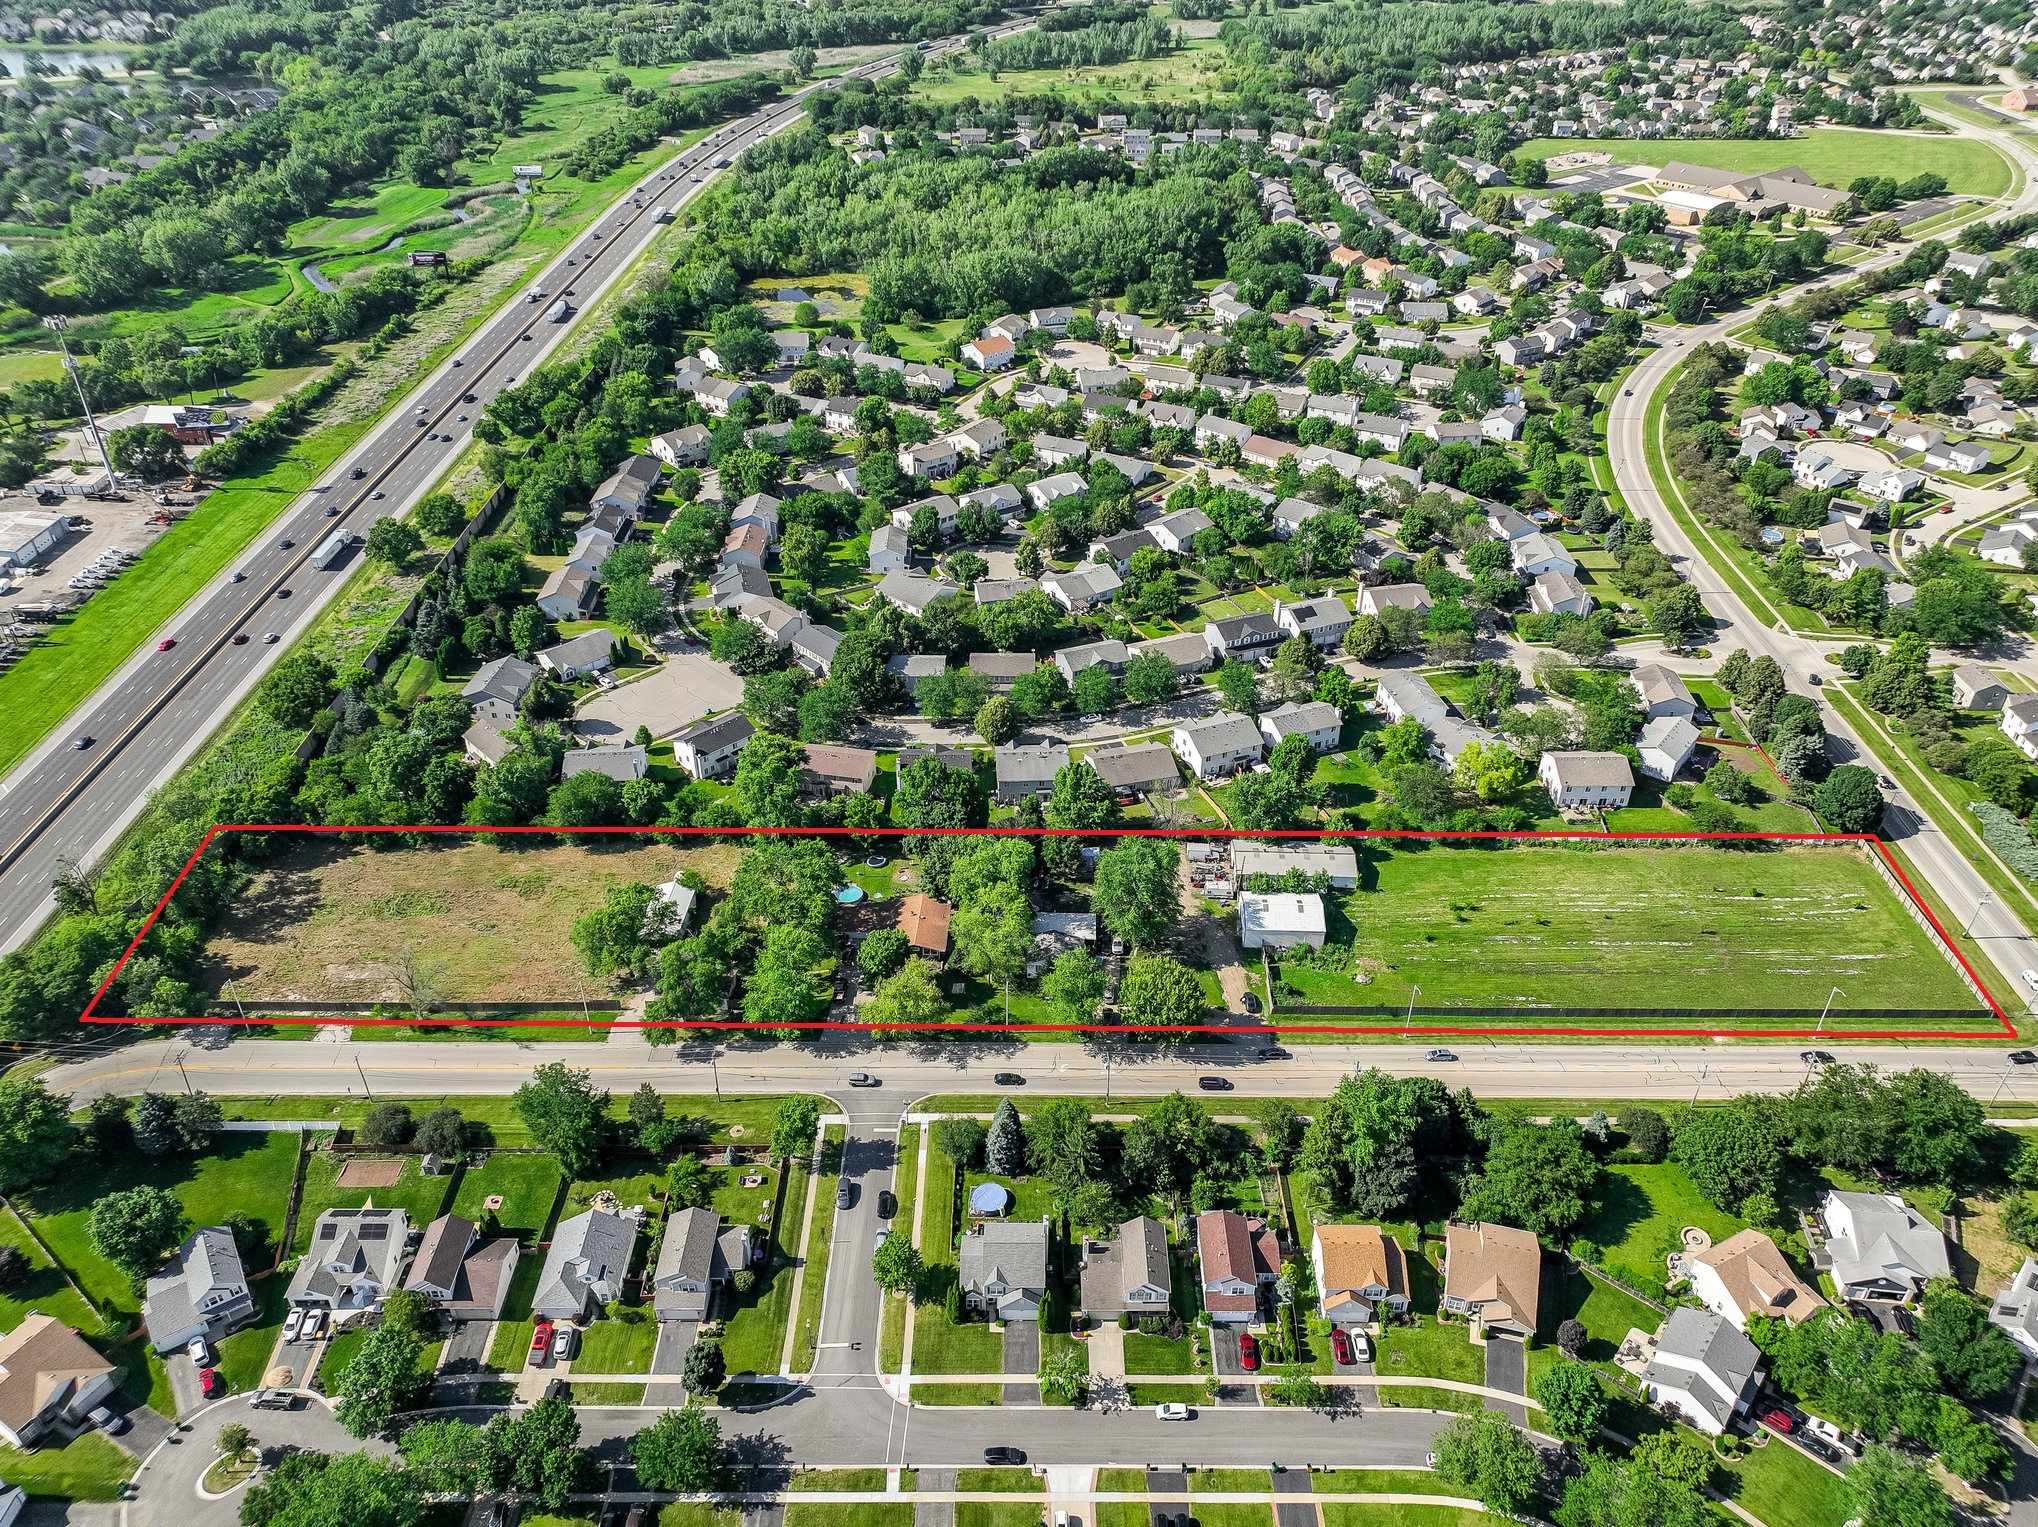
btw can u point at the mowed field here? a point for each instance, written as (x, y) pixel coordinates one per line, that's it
(328, 921)
(1519, 929)
(1834, 156)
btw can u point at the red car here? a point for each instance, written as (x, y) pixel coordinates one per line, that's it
(541, 1341)
(166, 644)
(1779, 1419)
(1341, 1346)
(1248, 1352)
(210, 1383)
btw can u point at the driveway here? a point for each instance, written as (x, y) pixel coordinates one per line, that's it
(1022, 1356)
(1507, 1368)
(935, 1513)
(675, 1340)
(667, 700)
(466, 1361)
(183, 1375)
(1295, 1513)
(1227, 1363)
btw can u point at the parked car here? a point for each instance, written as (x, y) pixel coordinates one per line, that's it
(198, 1352)
(1172, 1410)
(1249, 1002)
(109, 1423)
(291, 1324)
(844, 1193)
(541, 1341)
(562, 1344)
(1779, 1419)
(272, 1399)
(210, 1384)
(314, 1325)
(1007, 1455)
(887, 1204)
(1248, 1352)
(1341, 1345)
(1440, 1055)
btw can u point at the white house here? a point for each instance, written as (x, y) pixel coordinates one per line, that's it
(1663, 693)
(1975, 688)
(1219, 745)
(1877, 1247)
(1410, 694)
(2020, 723)
(1581, 781)
(890, 551)
(2015, 1309)
(1280, 920)
(708, 749)
(1556, 593)
(1316, 720)
(1666, 745)
(1537, 553)
(1746, 1275)
(1704, 1369)
(1407, 596)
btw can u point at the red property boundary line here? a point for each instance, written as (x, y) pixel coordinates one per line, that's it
(2007, 1028)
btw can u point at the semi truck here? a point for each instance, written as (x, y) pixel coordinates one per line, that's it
(332, 549)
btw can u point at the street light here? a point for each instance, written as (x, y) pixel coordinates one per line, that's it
(1409, 1022)
(56, 323)
(1835, 992)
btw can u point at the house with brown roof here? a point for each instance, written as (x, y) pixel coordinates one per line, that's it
(1360, 1274)
(1128, 1273)
(1493, 1274)
(924, 921)
(837, 771)
(50, 1379)
(465, 1276)
(1746, 1275)
(1238, 1255)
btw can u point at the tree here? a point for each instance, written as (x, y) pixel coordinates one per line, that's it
(1280, 1126)
(333, 1490)
(997, 720)
(1676, 1454)
(542, 1447)
(135, 1228)
(442, 1132)
(960, 1139)
(1064, 1376)
(1294, 1385)
(381, 1381)
(689, 1184)
(883, 952)
(909, 998)
(704, 1369)
(1976, 1359)
(452, 1457)
(36, 1134)
(895, 1267)
(1648, 1136)
(1484, 1454)
(1135, 892)
(680, 1453)
(297, 689)
(148, 451)
(1005, 1145)
(1572, 1401)
(1571, 1338)
(1731, 1152)
(1062, 1144)
(407, 1309)
(1540, 1177)
(793, 1127)
(1159, 992)
(566, 1115)
(1850, 799)
(1150, 679)
(1892, 1489)
(1611, 1492)
(993, 937)
(1239, 686)
(1074, 985)
(388, 1126)
(393, 543)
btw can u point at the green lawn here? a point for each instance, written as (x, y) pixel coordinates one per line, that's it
(242, 1174)
(838, 1479)
(1641, 1211)
(420, 1196)
(1430, 1350)
(526, 1184)
(1157, 1355)
(618, 1346)
(1830, 155)
(1786, 1489)
(90, 1468)
(755, 1342)
(847, 1514)
(244, 1356)
(820, 1243)
(43, 1290)
(986, 1481)
(1403, 1516)
(1606, 1312)
(1379, 1482)
(1519, 928)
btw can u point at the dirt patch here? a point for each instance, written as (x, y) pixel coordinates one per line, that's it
(474, 921)
(371, 1174)
(782, 58)
(1207, 941)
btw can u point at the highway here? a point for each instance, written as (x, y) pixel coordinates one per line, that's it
(280, 1068)
(1943, 863)
(62, 803)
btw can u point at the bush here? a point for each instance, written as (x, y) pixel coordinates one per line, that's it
(387, 1126)
(745, 1281)
(2009, 837)
(1127, 1321)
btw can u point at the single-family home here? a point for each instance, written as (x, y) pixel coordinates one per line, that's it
(1110, 654)
(1666, 745)
(686, 447)
(913, 592)
(1407, 596)
(2015, 1309)
(1322, 621)
(909, 668)
(890, 550)
(708, 748)
(1504, 424)
(353, 1262)
(1745, 1275)
(576, 657)
(1048, 491)
(1117, 550)
(1003, 1268)
(497, 688)
(993, 352)
(464, 1274)
(1877, 1247)
(1219, 745)
(1975, 688)
(1082, 587)
(1238, 1255)
(586, 1263)
(1028, 770)
(1493, 1275)
(1135, 770)
(1703, 1368)
(989, 591)
(1662, 692)
(1968, 456)
(1892, 485)
(621, 764)
(1176, 532)
(51, 1379)
(1128, 1273)
(826, 772)
(1317, 721)
(629, 488)
(1188, 651)
(932, 458)
(201, 1292)
(1409, 694)
(1252, 856)
(1004, 669)
(1243, 636)
(1361, 1275)
(1536, 553)
(1583, 781)
(1559, 593)
(2020, 722)
(924, 921)
(947, 514)
(1280, 920)
(568, 593)
(697, 1255)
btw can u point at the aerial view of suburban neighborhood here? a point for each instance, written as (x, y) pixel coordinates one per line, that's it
(1019, 763)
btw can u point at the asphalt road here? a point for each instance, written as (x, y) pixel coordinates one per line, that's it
(908, 1071)
(1943, 864)
(63, 803)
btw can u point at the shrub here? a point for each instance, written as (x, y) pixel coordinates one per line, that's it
(1127, 1321)
(745, 1281)
(387, 1126)
(2009, 837)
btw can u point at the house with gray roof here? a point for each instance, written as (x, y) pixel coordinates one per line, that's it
(1189, 652)
(589, 652)
(1317, 720)
(890, 552)
(1218, 745)
(1704, 1369)
(913, 592)
(1004, 1268)
(708, 749)
(203, 1291)
(497, 688)
(1877, 1247)
(1003, 669)
(697, 1254)
(1147, 766)
(1111, 654)
(1024, 771)
(813, 648)
(2015, 1310)
(585, 1267)
(355, 1258)
(630, 487)
(465, 1276)
(1128, 1273)
(1082, 586)
(732, 588)
(621, 764)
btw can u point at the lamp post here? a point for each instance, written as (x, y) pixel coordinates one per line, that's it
(1987, 898)
(56, 323)
(1408, 1022)
(1835, 992)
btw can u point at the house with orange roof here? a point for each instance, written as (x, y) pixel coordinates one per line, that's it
(1493, 1275)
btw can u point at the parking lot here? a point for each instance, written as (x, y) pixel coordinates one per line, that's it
(689, 686)
(116, 524)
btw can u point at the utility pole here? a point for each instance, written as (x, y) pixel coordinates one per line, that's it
(56, 323)
(1987, 898)
(1835, 992)
(1409, 1022)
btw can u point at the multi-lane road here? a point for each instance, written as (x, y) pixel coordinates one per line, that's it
(1942, 862)
(68, 803)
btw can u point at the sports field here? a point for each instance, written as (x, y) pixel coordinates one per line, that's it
(1833, 156)
(1513, 930)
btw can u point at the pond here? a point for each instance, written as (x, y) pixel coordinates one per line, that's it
(63, 61)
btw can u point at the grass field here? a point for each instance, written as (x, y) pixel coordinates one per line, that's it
(1833, 156)
(491, 922)
(1642, 1209)
(418, 1195)
(526, 1184)
(1522, 928)
(1363, 1515)
(1194, 72)
(89, 1469)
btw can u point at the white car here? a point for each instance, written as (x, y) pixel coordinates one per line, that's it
(1173, 1410)
(314, 1325)
(2030, 978)
(291, 1323)
(198, 1352)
